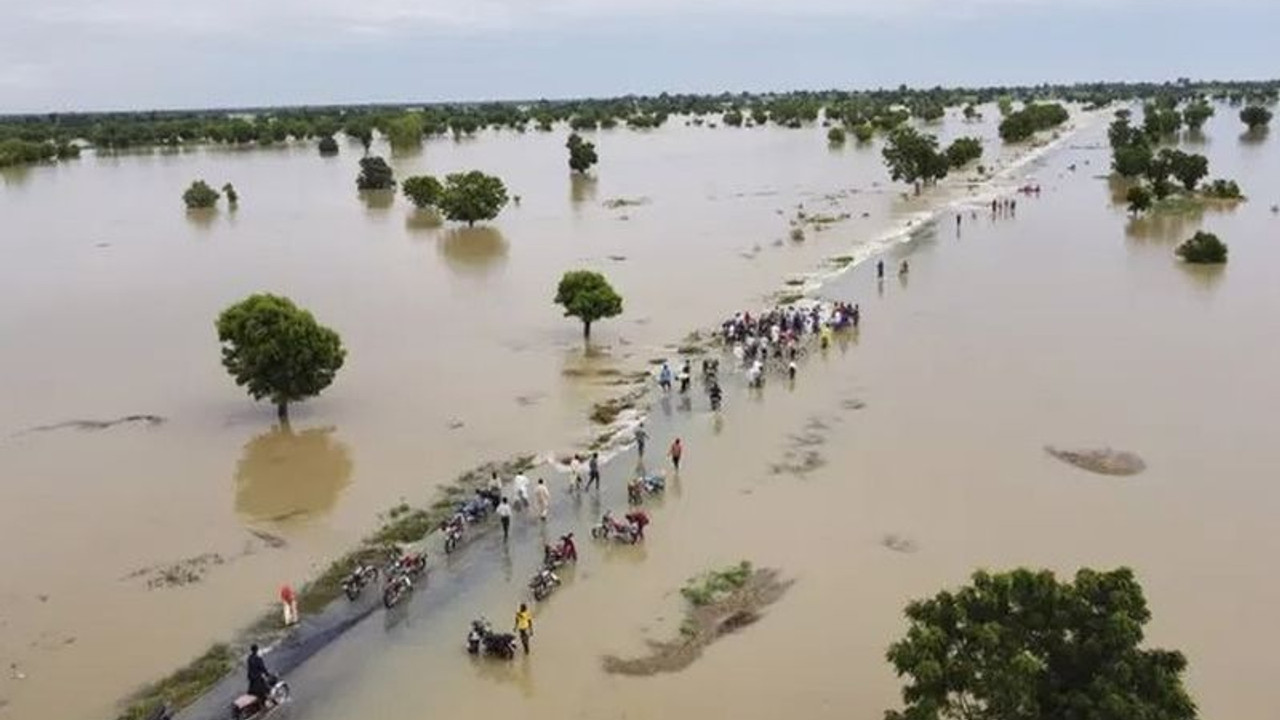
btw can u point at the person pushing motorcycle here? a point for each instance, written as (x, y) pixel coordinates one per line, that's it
(259, 676)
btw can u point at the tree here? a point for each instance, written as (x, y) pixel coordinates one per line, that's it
(233, 197)
(278, 351)
(375, 174)
(582, 154)
(1223, 189)
(1139, 199)
(864, 132)
(912, 157)
(1022, 645)
(733, 118)
(1188, 168)
(836, 136)
(1132, 160)
(1255, 116)
(361, 129)
(1196, 114)
(1160, 121)
(423, 190)
(1203, 248)
(199, 196)
(328, 146)
(971, 113)
(587, 296)
(472, 196)
(963, 151)
(404, 131)
(1024, 123)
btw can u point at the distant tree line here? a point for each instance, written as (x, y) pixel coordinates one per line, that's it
(861, 112)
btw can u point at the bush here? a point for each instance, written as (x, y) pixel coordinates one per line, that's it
(200, 196)
(836, 136)
(1026, 122)
(963, 151)
(1255, 116)
(864, 132)
(1223, 190)
(375, 174)
(328, 146)
(1203, 249)
(1139, 199)
(423, 190)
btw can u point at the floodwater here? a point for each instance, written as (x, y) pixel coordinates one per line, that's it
(1069, 325)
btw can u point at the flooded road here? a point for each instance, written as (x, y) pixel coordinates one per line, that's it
(905, 458)
(1068, 325)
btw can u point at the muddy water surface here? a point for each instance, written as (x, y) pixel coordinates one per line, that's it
(456, 355)
(909, 455)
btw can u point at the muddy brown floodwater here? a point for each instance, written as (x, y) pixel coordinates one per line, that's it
(1067, 326)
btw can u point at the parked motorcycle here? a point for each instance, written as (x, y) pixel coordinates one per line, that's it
(631, 531)
(543, 584)
(452, 531)
(361, 576)
(249, 706)
(553, 556)
(398, 585)
(647, 485)
(409, 563)
(482, 640)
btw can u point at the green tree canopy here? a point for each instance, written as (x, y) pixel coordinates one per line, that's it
(913, 157)
(1023, 645)
(963, 151)
(836, 135)
(375, 174)
(1203, 248)
(277, 351)
(472, 196)
(1139, 199)
(1255, 116)
(200, 196)
(1188, 168)
(1197, 113)
(423, 190)
(328, 146)
(587, 296)
(582, 154)
(1022, 124)
(864, 132)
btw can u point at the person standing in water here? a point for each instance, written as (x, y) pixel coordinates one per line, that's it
(504, 516)
(524, 626)
(664, 377)
(879, 269)
(575, 473)
(677, 451)
(542, 499)
(593, 471)
(642, 436)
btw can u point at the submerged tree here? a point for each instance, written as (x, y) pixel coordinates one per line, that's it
(1139, 199)
(1197, 113)
(963, 151)
(1203, 248)
(422, 190)
(277, 351)
(864, 132)
(1255, 116)
(471, 196)
(1023, 645)
(582, 154)
(836, 136)
(200, 196)
(328, 146)
(233, 197)
(587, 296)
(375, 174)
(913, 157)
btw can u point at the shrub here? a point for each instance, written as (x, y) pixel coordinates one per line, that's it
(1223, 190)
(1139, 199)
(1203, 249)
(200, 196)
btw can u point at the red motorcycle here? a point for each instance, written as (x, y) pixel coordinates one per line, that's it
(631, 531)
(553, 556)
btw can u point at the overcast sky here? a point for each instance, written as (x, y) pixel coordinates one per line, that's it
(124, 54)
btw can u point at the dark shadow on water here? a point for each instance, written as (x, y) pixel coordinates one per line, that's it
(582, 188)
(477, 250)
(1118, 189)
(1204, 277)
(377, 200)
(423, 220)
(284, 474)
(202, 218)
(1254, 137)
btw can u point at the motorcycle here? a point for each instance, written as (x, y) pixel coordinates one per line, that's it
(452, 531)
(553, 556)
(410, 564)
(483, 640)
(543, 584)
(251, 706)
(647, 485)
(631, 531)
(354, 583)
(398, 585)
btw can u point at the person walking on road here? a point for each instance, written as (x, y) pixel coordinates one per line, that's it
(542, 499)
(524, 626)
(504, 516)
(677, 450)
(575, 473)
(593, 471)
(642, 436)
(521, 485)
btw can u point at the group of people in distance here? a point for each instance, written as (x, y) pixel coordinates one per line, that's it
(775, 338)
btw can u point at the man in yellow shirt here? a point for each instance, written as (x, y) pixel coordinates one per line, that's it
(524, 626)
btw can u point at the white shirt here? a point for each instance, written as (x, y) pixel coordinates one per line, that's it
(544, 495)
(522, 486)
(575, 467)
(504, 510)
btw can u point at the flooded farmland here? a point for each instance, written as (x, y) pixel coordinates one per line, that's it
(1069, 326)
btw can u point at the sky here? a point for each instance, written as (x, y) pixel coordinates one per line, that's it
(63, 55)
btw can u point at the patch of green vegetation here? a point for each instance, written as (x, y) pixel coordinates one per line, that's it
(183, 686)
(841, 260)
(606, 412)
(1178, 204)
(410, 527)
(716, 584)
(790, 298)
(794, 282)
(398, 510)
